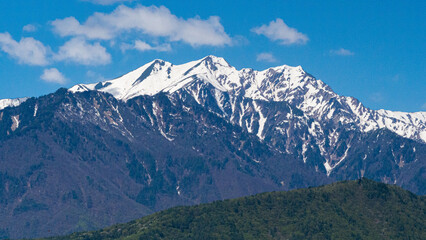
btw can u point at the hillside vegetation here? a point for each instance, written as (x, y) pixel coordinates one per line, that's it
(360, 209)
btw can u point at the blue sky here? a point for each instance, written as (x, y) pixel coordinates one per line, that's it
(372, 50)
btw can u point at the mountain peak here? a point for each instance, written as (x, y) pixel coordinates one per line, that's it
(160, 76)
(216, 60)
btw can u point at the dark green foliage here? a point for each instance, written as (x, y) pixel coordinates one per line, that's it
(360, 209)
(137, 171)
(15, 187)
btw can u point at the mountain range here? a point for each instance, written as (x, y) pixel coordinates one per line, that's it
(166, 135)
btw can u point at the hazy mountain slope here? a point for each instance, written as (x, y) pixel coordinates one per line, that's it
(88, 160)
(360, 209)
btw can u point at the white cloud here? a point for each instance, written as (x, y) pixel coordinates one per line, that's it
(79, 51)
(279, 31)
(91, 29)
(107, 2)
(342, 52)
(53, 75)
(143, 46)
(153, 21)
(26, 51)
(265, 57)
(30, 28)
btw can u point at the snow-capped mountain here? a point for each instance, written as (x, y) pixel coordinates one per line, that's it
(283, 83)
(237, 94)
(166, 135)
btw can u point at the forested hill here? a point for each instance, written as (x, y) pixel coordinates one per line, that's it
(360, 209)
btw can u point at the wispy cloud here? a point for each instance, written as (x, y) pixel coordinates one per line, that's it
(106, 2)
(265, 57)
(26, 51)
(53, 75)
(341, 52)
(79, 51)
(92, 30)
(94, 77)
(377, 97)
(397, 78)
(424, 106)
(279, 31)
(30, 28)
(143, 46)
(152, 21)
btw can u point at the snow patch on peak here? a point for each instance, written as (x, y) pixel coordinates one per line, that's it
(15, 123)
(216, 60)
(423, 136)
(4, 103)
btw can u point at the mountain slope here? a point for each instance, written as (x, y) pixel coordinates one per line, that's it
(87, 160)
(360, 209)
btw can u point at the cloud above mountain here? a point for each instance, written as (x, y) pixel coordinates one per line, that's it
(147, 28)
(341, 52)
(279, 31)
(79, 51)
(26, 51)
(33, 52)
(143, 46)
(157, 22)
(265, 57)
(53, 75)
